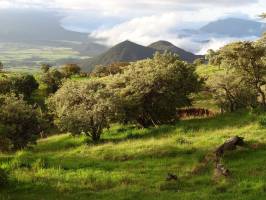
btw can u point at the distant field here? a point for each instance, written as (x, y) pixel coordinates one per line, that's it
(29, 57)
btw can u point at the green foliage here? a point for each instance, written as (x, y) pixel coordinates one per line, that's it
(82, 108)
(231, 93)
(262, 120)
(115, 68)
(19, 122)
(3, 178)
(151, 90)
(1, 66)
(24, 84)
(244, 87)
(45, 68)
(199, 61)
(52, 79)
(70, 69)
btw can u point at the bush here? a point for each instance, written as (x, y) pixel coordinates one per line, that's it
(19, 122)
(262, 121)
(82, 108)
(150, 91)
(70, 69)
(231, 93)
(52, 79)
(19, 84)
(3, 178)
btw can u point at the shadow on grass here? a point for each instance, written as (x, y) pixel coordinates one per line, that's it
(231, 120)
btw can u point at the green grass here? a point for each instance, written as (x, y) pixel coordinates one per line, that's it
(27, 58)
(132, 163)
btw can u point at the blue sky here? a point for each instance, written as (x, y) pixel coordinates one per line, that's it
(141, 21)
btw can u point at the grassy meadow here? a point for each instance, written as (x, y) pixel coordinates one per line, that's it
(133, 163)
(27, 58)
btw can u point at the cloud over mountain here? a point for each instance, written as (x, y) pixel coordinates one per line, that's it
(142, 21)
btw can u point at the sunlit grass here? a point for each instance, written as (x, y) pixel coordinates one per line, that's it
(132, 163)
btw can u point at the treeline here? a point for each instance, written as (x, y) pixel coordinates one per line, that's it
(22, 117)
(144, 93)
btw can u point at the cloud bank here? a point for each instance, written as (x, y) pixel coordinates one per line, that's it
(144, 21)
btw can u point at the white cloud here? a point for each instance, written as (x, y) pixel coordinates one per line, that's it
(144, 21)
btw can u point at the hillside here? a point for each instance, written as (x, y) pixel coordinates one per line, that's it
(128, 51)
(123, 52)
(234, 27)
(132, 163)
(36, 29)
(167, 46)
(35, 26)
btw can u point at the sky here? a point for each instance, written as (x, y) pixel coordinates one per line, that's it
(143, 21)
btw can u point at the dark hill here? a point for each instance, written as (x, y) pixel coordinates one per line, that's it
(123, 52)
(167, 46)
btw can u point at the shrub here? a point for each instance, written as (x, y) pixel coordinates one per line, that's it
(3, 178)
(70, 69)
(231, 93)
(82, 108)
(19, 122)
(52, 79)
(19, 84)
(262, 120)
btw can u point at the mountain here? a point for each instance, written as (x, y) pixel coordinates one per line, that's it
(167, 46)
(43, 28)
(128, 51)
(35, 26)
(234, 27)
(123, 52)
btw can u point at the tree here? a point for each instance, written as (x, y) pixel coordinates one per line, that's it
(52, 79)
(24, 84)
(19, 122)
(151, 90)
(82, 107)
(70, 69)
(247, 60)
(45, 68)
(199, 61)
(1, 66)
(231, 93)
(112, 69)
(19, 84)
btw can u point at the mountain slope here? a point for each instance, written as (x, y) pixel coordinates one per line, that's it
(167, 46)
(234, 27)
(31, 26)
(123, 52)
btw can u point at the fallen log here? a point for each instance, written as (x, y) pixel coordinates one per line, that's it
(171, 177)
(222, 170)
(229, 145)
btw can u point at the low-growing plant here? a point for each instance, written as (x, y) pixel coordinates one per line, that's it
(3, 178)
(262, 120)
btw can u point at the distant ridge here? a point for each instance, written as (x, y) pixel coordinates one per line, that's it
(167, 46)
(128, 51)
(234, 27)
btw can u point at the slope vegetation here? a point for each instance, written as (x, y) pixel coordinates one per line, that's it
(132, 164)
